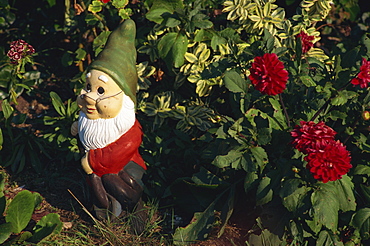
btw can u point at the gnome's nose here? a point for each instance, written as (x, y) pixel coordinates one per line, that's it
(89, 98)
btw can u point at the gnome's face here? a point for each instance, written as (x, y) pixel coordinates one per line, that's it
(101, 98)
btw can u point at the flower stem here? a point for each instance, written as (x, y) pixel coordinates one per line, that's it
(284, 109)
(318, 112)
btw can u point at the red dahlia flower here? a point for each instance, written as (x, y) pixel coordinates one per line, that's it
(268, 74)
(312, 137)
(306, 41)
(19, 49)
(363, 77)
(330, 163)
(105, 1)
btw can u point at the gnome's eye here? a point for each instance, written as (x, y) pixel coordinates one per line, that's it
(88, 87)
(101, 91)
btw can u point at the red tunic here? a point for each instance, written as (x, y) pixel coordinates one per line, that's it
(113, 157)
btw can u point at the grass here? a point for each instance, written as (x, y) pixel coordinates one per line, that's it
(110, 232)
(87, 230)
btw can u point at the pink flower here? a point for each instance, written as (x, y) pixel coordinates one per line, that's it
(268, 74)
(330, 163)
(18, 50)
(306, 41)
(363, 77)
(311, 137)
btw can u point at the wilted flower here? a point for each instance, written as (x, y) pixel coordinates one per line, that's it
(268, 74)
(363, 77)
(311, 136)
(18, 50)
(330, 163)
(306, 41)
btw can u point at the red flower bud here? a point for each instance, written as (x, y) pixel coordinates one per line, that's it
(366, 115)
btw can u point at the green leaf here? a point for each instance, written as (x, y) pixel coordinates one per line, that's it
(100, 41)
(179, 49)
(292, 193)
(6, 230)
(362, 170)
(278, 115)
(172, 48)
(51, 2)
(57, 103)
(361, 221)
(7, 109)
(80, 54)
(233, 157)
(260, 155)
(49, 224)
(20, 210)
(325, 206)
(349, 59)
(172, 22)
(125, 13)
(234, 82)
(201, 21)
(95, 6)
(2, 203)
(90, 20)
(345, 195)
(327, 238)
(265, 238)
(119, 3)
(307, 81)
(198, 229)
(227, 211)
(199, 36)
(264, 192)
(268, 39)
(366, 41)
(37, 198)
(160, 7)
(191, 57)
(264, 135)
(250, 180)
(365, 192)
(343, 97)
(216, 41)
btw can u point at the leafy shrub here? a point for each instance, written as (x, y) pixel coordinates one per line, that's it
(18, 213)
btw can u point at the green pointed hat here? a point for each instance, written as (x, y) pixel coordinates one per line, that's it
(118, 58)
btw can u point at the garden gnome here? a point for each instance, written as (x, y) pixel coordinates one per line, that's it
(109, 130)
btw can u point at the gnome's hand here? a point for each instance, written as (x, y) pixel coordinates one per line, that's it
(124, 188)
(85, 164)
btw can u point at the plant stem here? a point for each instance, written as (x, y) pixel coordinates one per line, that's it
(327, 103)
(284, 109)
(318, 112)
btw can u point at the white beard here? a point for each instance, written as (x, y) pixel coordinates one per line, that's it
(98, 133)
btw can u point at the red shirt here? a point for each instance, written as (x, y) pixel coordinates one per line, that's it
(116, 155)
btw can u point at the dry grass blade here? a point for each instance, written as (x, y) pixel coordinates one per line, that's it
(105, 230)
